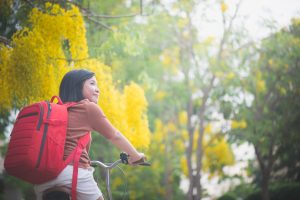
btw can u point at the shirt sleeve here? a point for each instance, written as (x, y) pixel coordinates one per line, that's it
(99, 122)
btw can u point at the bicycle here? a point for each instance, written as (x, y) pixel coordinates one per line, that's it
(61, 193)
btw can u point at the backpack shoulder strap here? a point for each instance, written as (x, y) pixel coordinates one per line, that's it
(59, 101)
(75, 156)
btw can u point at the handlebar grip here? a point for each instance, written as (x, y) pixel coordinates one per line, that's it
(141, 162)
(124, 158)
(145, 164)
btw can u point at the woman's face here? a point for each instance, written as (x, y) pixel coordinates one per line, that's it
(90, 90)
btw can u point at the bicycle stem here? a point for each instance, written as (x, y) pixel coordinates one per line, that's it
(107, 168)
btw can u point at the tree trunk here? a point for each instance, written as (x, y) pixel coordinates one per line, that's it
(265, 185)
(200, 152)
(189, 152)
(191, 185)
(189, 149)
(190, 191)
(198, 172)
(266, 166)
(169, 191)
(168, 169)
(193, 193)
(198, 186)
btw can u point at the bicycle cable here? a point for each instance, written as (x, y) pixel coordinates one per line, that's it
(125, 192)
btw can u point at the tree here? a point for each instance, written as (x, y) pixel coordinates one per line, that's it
(185, 72)
(202, 90)
(272, 116)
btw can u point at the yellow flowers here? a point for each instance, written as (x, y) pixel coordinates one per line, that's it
(171, 127)
(260, 86)
(225, 75)
(182, 118)
(55, 43)
(208, 129)
(209, 40)
(117, 182)
(160, 95)
(37, 61)
(217, 154)
(224, 7)
(296, 21)
(282, 91)
(170, 59)
(182, 22)
(184, 166)
(135, 115)
(219, 74)
(166, 60)
(230, 76)
(270, 62)
(4, 83)
(238, 124)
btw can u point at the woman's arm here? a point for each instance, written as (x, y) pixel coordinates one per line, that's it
(121, 142)
(101, 124)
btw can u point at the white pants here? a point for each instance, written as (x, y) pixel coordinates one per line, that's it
(87, 187)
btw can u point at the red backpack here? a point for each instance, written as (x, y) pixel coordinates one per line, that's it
(36, 148)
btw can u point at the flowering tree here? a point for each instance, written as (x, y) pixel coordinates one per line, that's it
(54, 43)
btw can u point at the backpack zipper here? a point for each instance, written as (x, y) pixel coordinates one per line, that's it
(44, 137)
(41, 117)
(28, 115)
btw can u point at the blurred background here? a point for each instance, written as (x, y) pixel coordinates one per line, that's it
(209, 90)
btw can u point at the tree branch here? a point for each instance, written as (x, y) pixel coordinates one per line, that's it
(259, 158)
(89, 13)
(99, 23)
(227, 29)
(5, 41)
(271, 153)
(70, 60)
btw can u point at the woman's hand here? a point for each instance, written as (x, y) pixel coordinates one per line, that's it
(137, 159)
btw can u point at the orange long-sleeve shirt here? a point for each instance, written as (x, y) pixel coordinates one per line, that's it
(83, 117)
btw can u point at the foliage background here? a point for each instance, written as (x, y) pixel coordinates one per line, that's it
(180, 98)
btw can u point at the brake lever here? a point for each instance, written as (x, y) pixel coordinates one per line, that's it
(124, 158)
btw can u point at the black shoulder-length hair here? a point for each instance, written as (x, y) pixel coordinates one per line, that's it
(70, 89)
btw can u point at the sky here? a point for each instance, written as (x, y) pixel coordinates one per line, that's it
(252, 14)
(279, 10)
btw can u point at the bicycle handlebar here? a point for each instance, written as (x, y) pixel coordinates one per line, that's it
(123, 159)
(108, 166)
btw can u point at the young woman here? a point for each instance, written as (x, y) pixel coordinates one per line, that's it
(81, 86)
